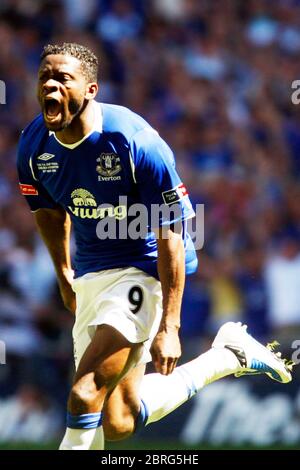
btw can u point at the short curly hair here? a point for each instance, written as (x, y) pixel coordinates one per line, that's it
(89, 62)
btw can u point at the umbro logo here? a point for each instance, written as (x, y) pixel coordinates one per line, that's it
(45, 157)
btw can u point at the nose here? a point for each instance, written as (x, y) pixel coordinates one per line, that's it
(50, 86)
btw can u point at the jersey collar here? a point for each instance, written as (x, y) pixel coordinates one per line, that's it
(97, 127)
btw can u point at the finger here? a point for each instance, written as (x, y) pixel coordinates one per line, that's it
(163, 365)
(157, 367)
(154, 357)
(171, 365)
(155, 360)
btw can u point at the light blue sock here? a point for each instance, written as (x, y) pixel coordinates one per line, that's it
(85, 421)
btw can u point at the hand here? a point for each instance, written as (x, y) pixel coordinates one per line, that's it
(66, 291)
(166, 350)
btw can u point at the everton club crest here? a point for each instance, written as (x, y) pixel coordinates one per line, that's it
(108, 166)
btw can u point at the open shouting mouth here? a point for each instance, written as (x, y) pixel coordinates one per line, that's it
(52, 110)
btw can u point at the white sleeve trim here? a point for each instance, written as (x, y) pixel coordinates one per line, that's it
(132, 166)
(31, 168)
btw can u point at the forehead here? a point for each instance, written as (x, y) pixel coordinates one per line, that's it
(61, 63)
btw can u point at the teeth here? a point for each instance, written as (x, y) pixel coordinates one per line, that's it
(278, 354)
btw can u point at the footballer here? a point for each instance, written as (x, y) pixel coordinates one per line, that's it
(77, 155)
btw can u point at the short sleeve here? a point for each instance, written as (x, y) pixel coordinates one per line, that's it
(158, 181)
(35, 194)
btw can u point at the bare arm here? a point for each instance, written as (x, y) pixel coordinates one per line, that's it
(166, 347)
(54, 226)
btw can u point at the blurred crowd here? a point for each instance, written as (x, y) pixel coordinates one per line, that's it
(214, 77)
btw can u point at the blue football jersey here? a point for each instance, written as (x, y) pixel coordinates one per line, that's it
(121, 162)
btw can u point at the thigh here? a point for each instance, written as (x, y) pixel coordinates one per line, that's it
(127, 300)
(106, 360)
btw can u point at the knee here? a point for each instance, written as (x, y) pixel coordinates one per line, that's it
(120, 412)
(83, 397)
(119, 427)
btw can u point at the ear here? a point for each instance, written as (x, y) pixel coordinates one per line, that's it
(91, 90)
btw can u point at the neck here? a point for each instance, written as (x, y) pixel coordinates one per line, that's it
(79, 127)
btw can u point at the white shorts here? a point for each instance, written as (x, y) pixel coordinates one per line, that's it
(125, 298)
